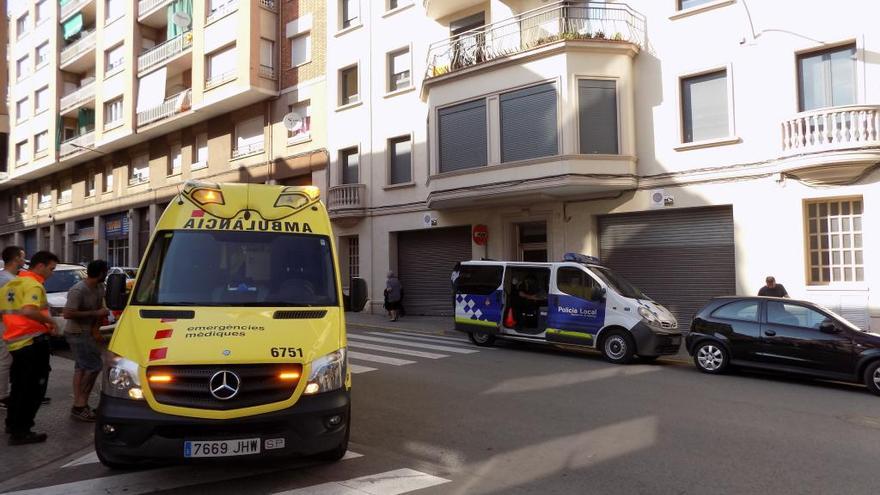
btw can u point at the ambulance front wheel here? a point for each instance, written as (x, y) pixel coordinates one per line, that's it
(481, 339)
(618, 347)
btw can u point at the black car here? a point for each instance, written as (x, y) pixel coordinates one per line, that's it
(783, 335)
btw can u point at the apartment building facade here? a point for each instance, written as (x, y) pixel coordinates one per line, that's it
(117, 103)
(696, 146)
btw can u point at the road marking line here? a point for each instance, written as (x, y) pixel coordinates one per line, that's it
(89, 458)
(357, 369)
(462, 340)
(389, 483)
(405, 338)
(412, 344)
(363, 356)
(395, 350)
(153, 480)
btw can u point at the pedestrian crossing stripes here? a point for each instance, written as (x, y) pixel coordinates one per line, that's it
(408, 344)
(394, 482)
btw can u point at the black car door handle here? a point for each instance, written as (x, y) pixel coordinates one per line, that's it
(769, 333)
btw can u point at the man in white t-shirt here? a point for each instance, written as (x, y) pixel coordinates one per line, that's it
(13, 260)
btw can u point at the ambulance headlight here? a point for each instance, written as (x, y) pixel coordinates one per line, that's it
(122, 379)
(328, 373)
(649, 317)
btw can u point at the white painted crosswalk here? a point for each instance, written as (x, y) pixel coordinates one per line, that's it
(385, 346)
(394, 482)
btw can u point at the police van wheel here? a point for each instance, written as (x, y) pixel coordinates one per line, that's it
(481, 339)
(618, 347)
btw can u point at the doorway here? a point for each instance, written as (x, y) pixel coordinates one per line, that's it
(532, 241)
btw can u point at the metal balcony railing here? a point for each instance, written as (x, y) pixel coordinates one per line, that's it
(267, 72)
(165, 51)
(146, 7)
(212, 82)
(222, 10)
(71, 7)
(85, 43)
(83, 94)
(833, 128)
(269, 4)
(346, 197)
(172, 105)
(78, 143)
(560, 21)
(246, 150)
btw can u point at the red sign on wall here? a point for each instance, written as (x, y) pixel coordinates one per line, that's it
(481, 235)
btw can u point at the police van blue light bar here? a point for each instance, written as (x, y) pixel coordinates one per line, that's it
(581, 258)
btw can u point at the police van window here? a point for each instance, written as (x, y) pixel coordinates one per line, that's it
(222, 268)
(575, 282)
(621, 285)
(478, 279)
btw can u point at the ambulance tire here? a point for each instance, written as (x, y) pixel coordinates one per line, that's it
(618, 347)
(482, 339)
(339, 452)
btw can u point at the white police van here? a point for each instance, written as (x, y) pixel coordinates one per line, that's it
(574, 302)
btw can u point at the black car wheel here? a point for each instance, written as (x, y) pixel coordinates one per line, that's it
(872, 377)
(711, 357)
(618, 347)
(481, 339)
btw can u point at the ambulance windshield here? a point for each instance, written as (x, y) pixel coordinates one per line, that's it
(233, 268)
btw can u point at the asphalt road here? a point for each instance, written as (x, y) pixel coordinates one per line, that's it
(456, 419)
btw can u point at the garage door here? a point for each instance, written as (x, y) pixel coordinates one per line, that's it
(679, 258)
(425, 259)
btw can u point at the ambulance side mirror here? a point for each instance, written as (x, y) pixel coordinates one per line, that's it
(116, 297)
(358, 294)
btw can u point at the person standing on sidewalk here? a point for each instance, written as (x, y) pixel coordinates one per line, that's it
(13, 259)
(394, 295)
(84, 312)
(28, 326)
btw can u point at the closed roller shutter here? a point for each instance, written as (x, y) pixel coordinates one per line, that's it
(426, 259)
(679, 258)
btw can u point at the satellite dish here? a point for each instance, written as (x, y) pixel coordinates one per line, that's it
(181, 20)
(293, 122)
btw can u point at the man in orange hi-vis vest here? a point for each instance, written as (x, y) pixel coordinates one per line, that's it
(28, 325)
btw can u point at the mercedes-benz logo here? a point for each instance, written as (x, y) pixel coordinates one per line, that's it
(224, 385)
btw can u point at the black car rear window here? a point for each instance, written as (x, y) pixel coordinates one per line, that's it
(738, 310)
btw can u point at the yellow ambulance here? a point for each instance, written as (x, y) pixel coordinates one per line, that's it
(232, 342)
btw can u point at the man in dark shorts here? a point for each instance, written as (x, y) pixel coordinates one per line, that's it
(772, 289)
(84, 312)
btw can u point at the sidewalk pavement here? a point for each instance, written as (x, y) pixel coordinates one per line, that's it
(66, 435)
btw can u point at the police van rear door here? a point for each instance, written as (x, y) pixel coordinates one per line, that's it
(479, 297)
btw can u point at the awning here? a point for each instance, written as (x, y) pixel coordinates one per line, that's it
(72, 26)
(151, 90)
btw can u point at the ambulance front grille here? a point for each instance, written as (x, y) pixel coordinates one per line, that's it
(191, 386)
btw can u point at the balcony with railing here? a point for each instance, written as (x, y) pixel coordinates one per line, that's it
(217, 80)
(79, 143)
(72, 7)
(84, 45)
(596, 23)
(269, 5)
(173, 105)
(830, 129)
(268, 72)
(82, 95)
(164, 51)
(150, 12)
(347, 200)
(242, 151)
